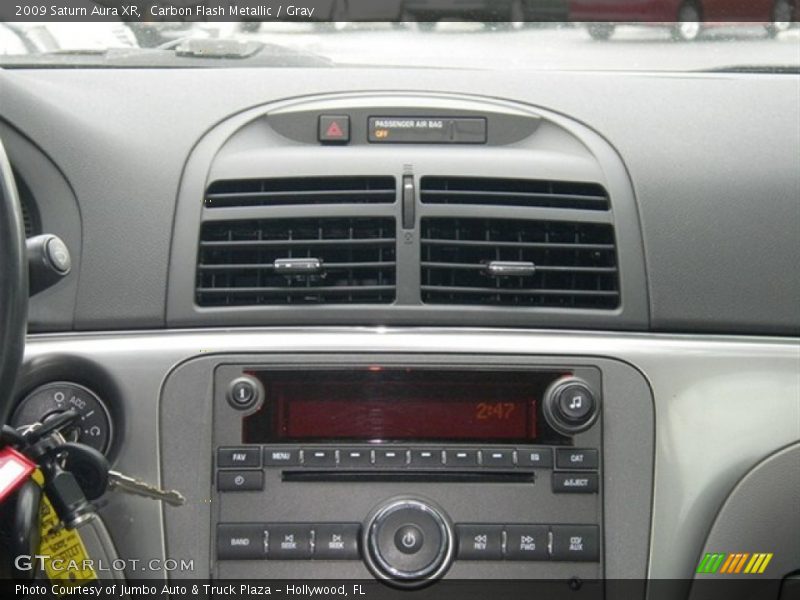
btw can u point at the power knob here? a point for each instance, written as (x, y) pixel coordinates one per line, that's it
(408, 542)
(570, 406)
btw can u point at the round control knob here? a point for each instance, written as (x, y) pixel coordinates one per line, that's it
(408, 542)
(244, 392)
(570, 406)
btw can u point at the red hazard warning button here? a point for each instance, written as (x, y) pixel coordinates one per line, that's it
(334, 128)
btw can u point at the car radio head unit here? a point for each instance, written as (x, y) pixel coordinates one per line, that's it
(378, 404)
(408, 471)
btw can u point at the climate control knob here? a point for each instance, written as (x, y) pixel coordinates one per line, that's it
(408, 542)
(570, 406)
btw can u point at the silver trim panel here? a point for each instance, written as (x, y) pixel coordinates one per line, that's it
(722, 405)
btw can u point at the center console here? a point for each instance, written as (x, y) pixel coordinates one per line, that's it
(407, 469)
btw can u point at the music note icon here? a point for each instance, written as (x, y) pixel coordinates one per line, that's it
(577, 403)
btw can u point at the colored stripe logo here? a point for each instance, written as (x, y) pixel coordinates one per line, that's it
(734, 563)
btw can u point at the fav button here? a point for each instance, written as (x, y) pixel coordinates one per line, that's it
(239, 457)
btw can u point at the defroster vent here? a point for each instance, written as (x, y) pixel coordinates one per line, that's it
(338, 260)
(526, 263)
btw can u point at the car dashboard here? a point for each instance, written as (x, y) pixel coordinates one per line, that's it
(412, 325)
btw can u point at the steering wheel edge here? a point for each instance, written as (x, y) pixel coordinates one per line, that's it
(13, 285)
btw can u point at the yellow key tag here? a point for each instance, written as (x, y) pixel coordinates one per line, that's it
(66, 557)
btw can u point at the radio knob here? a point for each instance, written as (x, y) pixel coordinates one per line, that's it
(408, 542)
(570, 406)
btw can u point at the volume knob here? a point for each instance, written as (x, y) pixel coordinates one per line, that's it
(570, 406)
(408, 542)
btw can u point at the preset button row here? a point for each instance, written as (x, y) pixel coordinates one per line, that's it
(565, 458)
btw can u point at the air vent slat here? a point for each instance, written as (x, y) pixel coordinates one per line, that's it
(337, 260)
(513, 192)
(301, 190)
(521, 245)
(271, 266)
(482, 267)
(296, 243)
(304, 289)
(559, 264)
(517, 291)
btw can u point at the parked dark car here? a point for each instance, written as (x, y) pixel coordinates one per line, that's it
(508, 13)
(687, 18)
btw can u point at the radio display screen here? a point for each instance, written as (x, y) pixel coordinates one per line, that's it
(375, 404)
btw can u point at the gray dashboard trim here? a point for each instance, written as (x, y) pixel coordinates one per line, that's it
(712, 158)
(730, 400)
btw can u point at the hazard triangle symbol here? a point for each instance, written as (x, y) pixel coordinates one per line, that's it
(334, 130)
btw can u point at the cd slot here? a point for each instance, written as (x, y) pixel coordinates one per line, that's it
(464, 476)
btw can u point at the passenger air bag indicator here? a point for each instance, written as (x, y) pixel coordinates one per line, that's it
(427, 130)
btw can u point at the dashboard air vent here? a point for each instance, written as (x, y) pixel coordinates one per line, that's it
(301, 190)
(342, 260)
(519, 263)
(513, 192)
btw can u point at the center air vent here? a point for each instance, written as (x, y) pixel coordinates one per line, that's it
(301, 190)
(519, 263)
(347, 260)
(513, 192)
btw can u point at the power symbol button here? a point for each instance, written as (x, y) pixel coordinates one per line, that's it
(408, 539)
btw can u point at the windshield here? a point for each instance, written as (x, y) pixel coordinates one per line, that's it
(669, 35)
